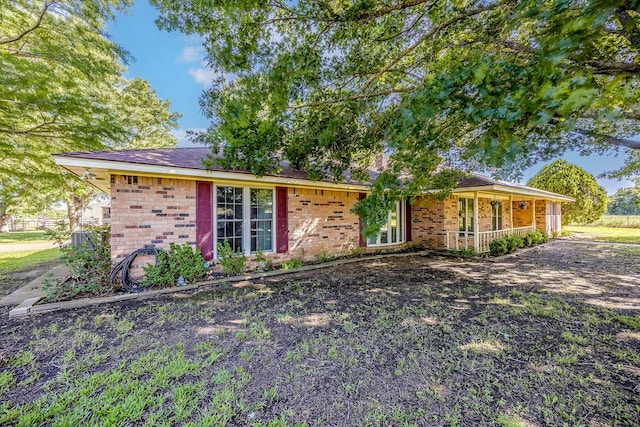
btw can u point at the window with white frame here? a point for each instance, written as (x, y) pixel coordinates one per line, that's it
(465, 216)
(244, 218)
(392, 232)
(496, 215)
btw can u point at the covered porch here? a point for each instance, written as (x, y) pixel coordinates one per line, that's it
(485, 215)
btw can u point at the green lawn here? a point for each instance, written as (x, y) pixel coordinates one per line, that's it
(22, 260)
(23, 237)
(605, 234)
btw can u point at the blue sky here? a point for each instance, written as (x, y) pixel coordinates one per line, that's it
(173, 65)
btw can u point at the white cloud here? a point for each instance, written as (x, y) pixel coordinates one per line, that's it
(191, 54)
(183, 138)
(203, 76)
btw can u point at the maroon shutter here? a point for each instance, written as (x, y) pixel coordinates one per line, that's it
(204, 219)
(407, 221)
(363, 241)
(282, 220)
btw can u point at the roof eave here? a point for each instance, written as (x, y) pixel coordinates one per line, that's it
(542, 194)
(113, 166)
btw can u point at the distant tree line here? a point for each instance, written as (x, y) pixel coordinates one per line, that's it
(626, 201)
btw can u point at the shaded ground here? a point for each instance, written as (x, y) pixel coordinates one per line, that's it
(10, 281)
(548, 337)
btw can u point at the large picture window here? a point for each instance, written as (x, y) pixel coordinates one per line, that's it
(244, 217)
(465, 216)
(392, 232)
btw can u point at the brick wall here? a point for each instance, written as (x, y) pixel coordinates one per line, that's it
(427, 223)
(321, 220)
(484, 214)
(430, 219)
(150, 211)
(522, 217)
(542, 209)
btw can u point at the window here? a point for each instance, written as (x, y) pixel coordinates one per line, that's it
(392, 232)
(496, 215)
(244, 217)
(261, 220)
(465, 216)
(229, 216)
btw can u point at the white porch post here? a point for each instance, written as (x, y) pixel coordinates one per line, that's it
(476, 229)
(534, 214)
(511, 211)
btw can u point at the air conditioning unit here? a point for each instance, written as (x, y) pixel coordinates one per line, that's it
(80, 237)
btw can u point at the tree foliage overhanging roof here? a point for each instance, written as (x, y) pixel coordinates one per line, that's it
(463, 84)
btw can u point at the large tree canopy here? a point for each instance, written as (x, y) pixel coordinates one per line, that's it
(463, 84)
(62, 89)
(565, 178)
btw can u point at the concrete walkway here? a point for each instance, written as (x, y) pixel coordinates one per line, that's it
(34, 288)
(16, 247)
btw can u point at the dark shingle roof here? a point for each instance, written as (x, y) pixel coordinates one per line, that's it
(187, 158)
(191, 158)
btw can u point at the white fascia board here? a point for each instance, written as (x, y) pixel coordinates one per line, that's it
(518, 191)
(186, 173)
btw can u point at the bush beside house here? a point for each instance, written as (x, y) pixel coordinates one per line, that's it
(509, 244)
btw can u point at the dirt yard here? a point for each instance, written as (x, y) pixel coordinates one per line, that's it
(546, 337)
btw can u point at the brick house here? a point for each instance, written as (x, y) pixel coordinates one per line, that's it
(160, 196)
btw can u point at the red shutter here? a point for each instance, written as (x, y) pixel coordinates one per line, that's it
(363, 241)
(204, 218)
(407, 220)
(282, 220)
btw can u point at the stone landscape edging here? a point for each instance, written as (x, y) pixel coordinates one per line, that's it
(30, 306)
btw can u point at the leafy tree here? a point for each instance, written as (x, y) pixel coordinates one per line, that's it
(61, 89)
(565, 178)
(467, 85)
(626, 201)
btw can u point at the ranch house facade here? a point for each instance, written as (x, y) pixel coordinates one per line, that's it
(159, 196)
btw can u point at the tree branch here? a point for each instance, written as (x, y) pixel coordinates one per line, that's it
(34, 27)
(30, 130)
(426, 36)
(613, 140)
(598, 67)
(355, 97)
(628, 30)
(388, 9)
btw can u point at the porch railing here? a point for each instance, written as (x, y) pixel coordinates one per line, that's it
(466, 240)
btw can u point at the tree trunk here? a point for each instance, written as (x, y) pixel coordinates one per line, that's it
(75, 205)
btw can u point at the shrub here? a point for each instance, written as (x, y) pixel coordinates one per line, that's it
(498, 247)
(528, 239)
(180, 261)
(291, 264)
(89, 265)
(265, 263)
(544, 237)
(59, 233)
(513, 243)
(324, 256)
(232, 263)
(540, 236)
(160, 274)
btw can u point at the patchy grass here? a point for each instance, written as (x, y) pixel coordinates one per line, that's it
(604, 234)
(22, 260)
(23, 237)
(400, 341)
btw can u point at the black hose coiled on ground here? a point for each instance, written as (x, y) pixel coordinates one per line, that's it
(124, 265)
